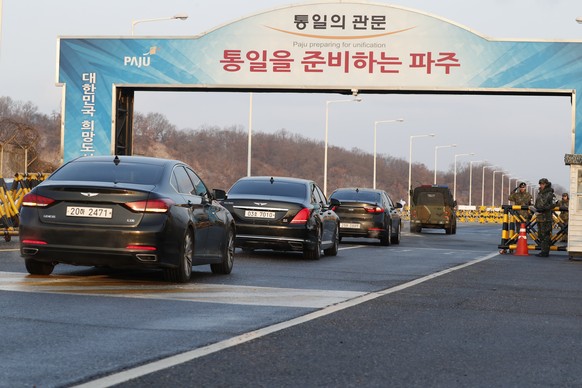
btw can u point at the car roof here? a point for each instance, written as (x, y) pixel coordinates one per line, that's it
(275, 179)
(360, 189)
(126, 159)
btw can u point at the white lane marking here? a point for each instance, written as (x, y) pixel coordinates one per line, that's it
(10, 250)
(192, 292)
(353, 247)
(169, 362)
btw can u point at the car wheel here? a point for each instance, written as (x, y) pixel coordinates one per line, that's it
(35, 267)
(395, 239)
(225, 266)
(182, 273)
(385, 239)
(315, 252)
(449, 230)
(332, 251)
(414, 229)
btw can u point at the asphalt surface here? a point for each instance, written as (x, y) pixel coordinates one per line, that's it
(510, 321)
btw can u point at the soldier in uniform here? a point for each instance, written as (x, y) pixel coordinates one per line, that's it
(544, 205)
(563, 205)
(520, 197)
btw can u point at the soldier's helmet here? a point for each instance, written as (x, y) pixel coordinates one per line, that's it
(522, 184)
(544, 181)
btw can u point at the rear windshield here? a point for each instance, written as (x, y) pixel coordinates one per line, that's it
(141, 174)
(430, 199)
(356, 196)
(277, 189)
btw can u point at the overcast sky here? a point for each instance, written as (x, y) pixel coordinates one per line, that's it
(526, 137)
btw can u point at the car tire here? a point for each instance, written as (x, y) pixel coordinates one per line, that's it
(315, 252)
(225, 266)
(332, 251)
(35, 267)
(183, 272)
(385, 240)
(395, 239)
(449, 230)
(415, 229)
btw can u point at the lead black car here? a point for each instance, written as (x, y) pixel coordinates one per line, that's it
(126, 212)
(283, 214)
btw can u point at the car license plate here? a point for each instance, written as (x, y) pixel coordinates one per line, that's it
(259, 214)
(347, 225)
(91, 212)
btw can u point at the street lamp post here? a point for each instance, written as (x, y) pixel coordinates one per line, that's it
(455, 174)
(471, 177)
(509, 187)
(356, 99)
(250, 142)
(410, 162)
(1, 30)
(483, 185)
(501, 196)
(375, 130)
(179, 16)
(493, 189)
(435, 159)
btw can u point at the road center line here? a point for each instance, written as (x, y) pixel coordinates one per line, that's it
(168, 362)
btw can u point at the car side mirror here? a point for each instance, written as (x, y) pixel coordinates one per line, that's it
(399, 205)
(334, 202)
(219, 195)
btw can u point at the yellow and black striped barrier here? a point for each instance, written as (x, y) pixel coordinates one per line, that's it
(481, 214)
(512, 219)
(11, 200)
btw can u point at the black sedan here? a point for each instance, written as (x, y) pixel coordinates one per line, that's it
(368, 213)
(280, 213)
(126, 212)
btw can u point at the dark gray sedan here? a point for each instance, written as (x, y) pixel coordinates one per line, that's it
(368, 213)
(126, 212)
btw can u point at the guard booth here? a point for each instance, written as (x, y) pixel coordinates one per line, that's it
(575, 206)
(321, 46)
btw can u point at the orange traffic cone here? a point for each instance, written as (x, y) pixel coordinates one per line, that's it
(521, 242)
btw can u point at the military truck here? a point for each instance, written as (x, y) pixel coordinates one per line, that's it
(432, 206)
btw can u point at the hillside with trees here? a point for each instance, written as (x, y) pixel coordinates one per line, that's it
(219, 155)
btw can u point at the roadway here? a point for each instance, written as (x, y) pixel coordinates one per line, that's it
(436, 310)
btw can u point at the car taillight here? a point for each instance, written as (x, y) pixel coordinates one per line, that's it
(374, 210)
(301, 217)
(33, 242)
(151, 206)
(141, 247)
(34, 200)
